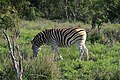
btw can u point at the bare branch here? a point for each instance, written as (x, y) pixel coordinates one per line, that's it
(17, 65)
(10, 49)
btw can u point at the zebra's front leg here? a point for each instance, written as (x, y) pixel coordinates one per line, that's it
(52, 52)
(58, 52)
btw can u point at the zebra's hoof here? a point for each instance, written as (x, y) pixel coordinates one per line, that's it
(61, 59)
(79, 59)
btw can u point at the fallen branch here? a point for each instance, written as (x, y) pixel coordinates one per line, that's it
(17, 65)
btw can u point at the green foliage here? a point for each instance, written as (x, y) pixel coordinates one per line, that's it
(80, 10)
(7, 23)
(8, 16)
(95, 37)
(6, 67)
(112, 33)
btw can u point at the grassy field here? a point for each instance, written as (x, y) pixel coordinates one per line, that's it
(104, 62)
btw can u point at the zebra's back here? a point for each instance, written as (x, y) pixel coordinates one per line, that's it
(66, 36)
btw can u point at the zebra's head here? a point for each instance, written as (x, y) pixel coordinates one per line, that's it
(38, 40)
(35, 49)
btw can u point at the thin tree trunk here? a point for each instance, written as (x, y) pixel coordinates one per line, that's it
(66, 9)
(17, 65)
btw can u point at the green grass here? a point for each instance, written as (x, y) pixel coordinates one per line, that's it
(104, 63)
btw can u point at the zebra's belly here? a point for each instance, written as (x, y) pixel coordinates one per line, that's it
(62, 44)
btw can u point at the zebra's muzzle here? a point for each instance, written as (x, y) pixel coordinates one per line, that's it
(35, 50)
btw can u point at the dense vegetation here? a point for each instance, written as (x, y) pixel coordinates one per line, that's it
(81, 10)
(104, 62)
(23, 19)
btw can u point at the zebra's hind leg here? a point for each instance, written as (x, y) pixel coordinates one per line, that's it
(80, 52)
(58, 52)
(85, 52)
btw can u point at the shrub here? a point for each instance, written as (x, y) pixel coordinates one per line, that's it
(41, 69)
(112, 33)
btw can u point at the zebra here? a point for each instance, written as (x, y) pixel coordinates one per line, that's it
(62, 37)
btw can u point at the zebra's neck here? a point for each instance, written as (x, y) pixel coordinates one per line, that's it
(44, 36)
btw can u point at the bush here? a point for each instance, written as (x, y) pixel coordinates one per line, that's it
(112, 33)
(41, 69)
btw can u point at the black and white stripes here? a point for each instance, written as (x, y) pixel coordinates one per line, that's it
(61, 38)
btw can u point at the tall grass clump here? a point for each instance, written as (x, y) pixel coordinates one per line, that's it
(41, 69)
(33, 69)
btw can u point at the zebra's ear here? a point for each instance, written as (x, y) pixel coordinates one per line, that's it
(45, 29)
